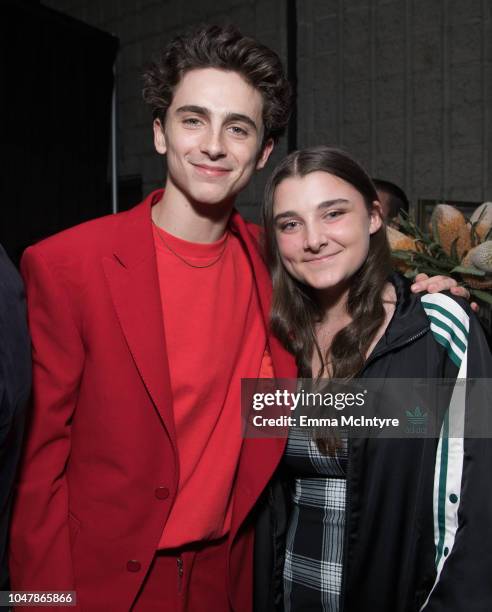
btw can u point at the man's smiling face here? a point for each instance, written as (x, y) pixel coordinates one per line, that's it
(212, 136)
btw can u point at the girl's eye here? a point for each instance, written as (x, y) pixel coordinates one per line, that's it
(288, 226)
(333, 214)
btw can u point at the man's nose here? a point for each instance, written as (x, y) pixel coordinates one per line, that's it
(212, 143)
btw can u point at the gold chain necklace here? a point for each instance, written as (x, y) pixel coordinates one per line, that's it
(209, 265)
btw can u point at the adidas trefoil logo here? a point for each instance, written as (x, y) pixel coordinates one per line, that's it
(417, 417)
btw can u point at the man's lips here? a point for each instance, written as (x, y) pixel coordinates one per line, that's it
(211, 170)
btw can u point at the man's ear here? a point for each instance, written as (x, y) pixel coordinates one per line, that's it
(264, 154)
(159, 137)
(376, 217)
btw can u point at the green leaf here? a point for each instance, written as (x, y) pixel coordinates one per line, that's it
(454, 249)
(433, 245)
(405, 255)
(443, 265)
(435, 231)
(482, 295)
(428, 270)
(474, 236)
(470, 271)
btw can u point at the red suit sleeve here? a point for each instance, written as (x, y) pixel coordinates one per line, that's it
(40, 557)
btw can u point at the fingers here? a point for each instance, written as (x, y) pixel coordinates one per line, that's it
(418, 285)
(434, 284)
(438, 283)
(461, 292)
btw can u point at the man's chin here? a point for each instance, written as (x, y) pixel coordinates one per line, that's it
(214, 198)
(214, 205)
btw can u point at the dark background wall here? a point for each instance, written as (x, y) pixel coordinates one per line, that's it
(55, 108)
(144, 27)
(405, 85)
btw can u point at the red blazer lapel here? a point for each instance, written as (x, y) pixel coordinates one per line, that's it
(134, 287)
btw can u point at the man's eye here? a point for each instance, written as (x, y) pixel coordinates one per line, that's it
(238, 131)
(191, 121)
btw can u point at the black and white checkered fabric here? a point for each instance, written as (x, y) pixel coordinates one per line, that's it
(314, 555)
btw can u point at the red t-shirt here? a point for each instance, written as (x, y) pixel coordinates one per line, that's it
(215, 336)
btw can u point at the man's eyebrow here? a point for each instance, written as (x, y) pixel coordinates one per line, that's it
(201, 110)
(241, 117)
(322, 205)
(192, 108)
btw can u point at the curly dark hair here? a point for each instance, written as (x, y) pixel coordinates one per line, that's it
(213, 46)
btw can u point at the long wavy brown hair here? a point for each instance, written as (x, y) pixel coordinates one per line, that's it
(295, 308)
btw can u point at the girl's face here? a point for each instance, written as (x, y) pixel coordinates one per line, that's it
(322, 228)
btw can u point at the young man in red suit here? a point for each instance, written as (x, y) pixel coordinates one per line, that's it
(136, 485)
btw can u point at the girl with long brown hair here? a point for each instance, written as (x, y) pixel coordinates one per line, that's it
(367, 524)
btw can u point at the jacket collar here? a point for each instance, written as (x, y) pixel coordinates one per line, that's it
(409, 318)
(134, 242)
(133, 282)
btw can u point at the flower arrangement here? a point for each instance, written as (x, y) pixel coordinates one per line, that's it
(453, 245)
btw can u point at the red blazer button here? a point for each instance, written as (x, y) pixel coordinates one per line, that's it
(133, 566)
(162, 492)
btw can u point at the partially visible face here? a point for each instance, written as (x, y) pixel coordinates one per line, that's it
(384, 199)
(322, 227)
(212, 136)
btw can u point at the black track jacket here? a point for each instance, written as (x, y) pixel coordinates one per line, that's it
(418, 531)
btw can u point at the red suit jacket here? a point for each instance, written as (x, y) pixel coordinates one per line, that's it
(100, 468)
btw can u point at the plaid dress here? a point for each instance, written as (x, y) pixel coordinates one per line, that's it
(314, 552)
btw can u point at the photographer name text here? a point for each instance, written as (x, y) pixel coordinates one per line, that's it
(342, 421)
